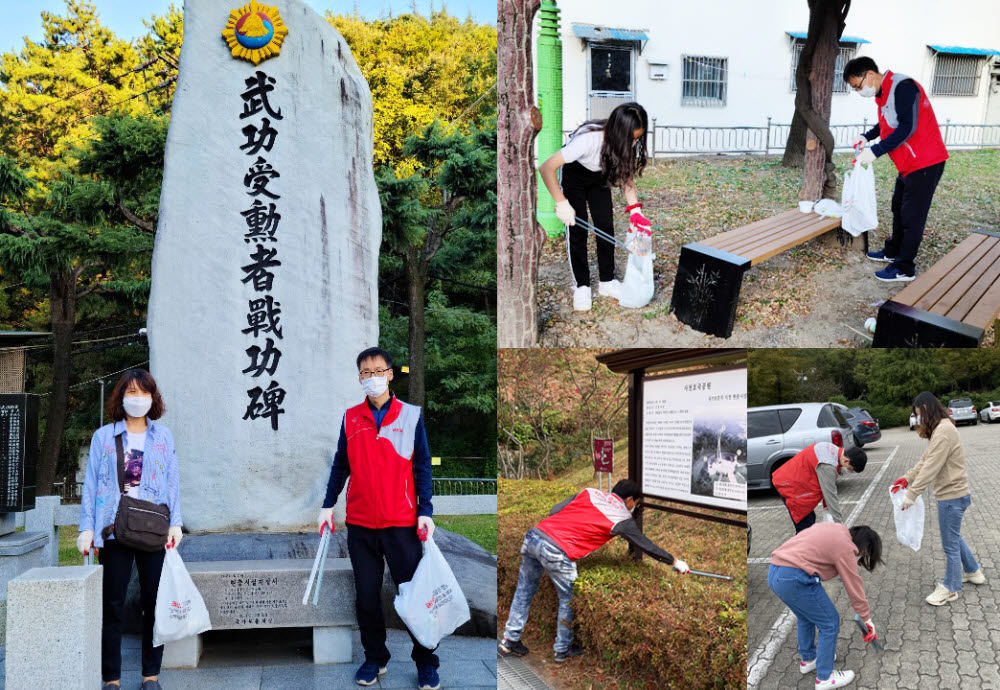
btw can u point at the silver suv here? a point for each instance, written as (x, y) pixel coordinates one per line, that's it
(775, 433)
(962, 411)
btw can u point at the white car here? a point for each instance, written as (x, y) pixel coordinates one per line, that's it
(990, 413)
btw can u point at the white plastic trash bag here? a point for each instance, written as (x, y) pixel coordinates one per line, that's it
(180, 610)
(858, 203)
(432, 604)
(638, 285)
(909, 522)
(828, 208)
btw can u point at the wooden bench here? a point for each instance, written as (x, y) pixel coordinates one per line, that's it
(710, 273)
(949, 305)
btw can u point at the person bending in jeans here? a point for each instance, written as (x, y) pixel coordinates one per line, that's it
(798, 569)
(576, 527)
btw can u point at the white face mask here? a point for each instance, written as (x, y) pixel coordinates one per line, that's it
(867, 91)
(375, 386)
(136, 406)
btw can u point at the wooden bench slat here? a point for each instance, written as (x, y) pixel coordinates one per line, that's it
(938, 283)
(915, 291)
(987, 310)
(762, 252)
(971, 287)
(722, 239)
(737, 243)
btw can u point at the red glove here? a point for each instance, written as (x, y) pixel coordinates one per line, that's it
(900, 483)
(639, 222)
(870, 636)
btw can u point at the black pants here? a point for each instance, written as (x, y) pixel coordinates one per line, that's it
(911, 202)
(805, 523)
(400, 547)
(117, 561)
(585, 188)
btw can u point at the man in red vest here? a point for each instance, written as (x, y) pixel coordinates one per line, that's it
(811, 476)
(383, 449)
(908, 131)
(576, 527)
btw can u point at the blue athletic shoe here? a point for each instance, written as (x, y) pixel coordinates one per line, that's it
(892, 274)
(427, 678)
(368, 673)
(878, 256)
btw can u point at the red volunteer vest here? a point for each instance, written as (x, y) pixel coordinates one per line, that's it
(585, 524)
(380, 490)
(797, 482)
(925, 147)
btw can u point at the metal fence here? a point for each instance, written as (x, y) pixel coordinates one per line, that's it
(770, 138)
(464, 486)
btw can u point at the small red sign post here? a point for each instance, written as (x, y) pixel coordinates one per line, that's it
(604, 457)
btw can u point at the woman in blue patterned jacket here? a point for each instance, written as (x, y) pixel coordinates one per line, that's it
(150, 475)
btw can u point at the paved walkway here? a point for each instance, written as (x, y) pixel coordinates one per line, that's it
(951, 646)
(466, 662)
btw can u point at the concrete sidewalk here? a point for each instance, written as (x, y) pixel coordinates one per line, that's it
(952, 646)
(466, 662)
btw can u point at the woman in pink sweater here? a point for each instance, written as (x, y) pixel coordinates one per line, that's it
(798, 569)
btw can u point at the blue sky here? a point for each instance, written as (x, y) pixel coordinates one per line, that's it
(124, 17)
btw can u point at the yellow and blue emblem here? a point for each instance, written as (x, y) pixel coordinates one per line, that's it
(254, 32)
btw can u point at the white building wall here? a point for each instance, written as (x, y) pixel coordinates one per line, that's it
(753, 37)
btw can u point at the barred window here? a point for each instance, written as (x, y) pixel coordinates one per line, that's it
(956, 75)
(704, 81)
(846, 53)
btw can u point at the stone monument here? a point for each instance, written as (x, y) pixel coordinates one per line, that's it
(265, 265)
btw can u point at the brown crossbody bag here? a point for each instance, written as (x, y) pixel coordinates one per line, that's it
(139, 524)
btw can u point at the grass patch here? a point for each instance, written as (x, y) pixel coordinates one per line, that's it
(68, 553)
(642, 623)
(481, 529)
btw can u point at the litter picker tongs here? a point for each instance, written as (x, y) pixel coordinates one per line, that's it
(609, 238)
(715, 575)
(876, 643)
(88, 558)
(319, 564)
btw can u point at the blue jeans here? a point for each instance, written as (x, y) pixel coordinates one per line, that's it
(805, 596)
(957, 554)
(538, 556)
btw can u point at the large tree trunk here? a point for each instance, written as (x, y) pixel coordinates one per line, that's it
(795, 147)
(519, 236)
(814, 90)
(416, 280)
(62, 297)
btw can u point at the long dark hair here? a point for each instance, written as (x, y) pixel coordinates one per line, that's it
(116, 410)
(869, 546)
(621, 159)
(930, 411)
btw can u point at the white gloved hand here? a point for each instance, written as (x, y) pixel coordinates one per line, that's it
(860, 141)
(174, 536)
(422, 524)
(680, 566)
(565, 212)
(325, 517)
(866, 157)
(85, 542)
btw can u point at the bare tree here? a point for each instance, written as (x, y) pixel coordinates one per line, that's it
(813, 95)
(519, 236)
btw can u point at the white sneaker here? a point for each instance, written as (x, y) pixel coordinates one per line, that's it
(807, 666)
(941, 596)
(611, 288)
(837, 679)
(581, 298)
(976, 578)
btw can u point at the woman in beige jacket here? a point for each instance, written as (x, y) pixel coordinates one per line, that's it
(943, 468)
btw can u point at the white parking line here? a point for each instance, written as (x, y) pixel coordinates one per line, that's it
(763, 656)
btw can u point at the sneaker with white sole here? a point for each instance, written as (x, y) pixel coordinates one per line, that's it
(581, 298)
(610, 288)
(807, 666)
(976, 578)
(837, 679)
(892, 274)
(941, 596)
(879, 256)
